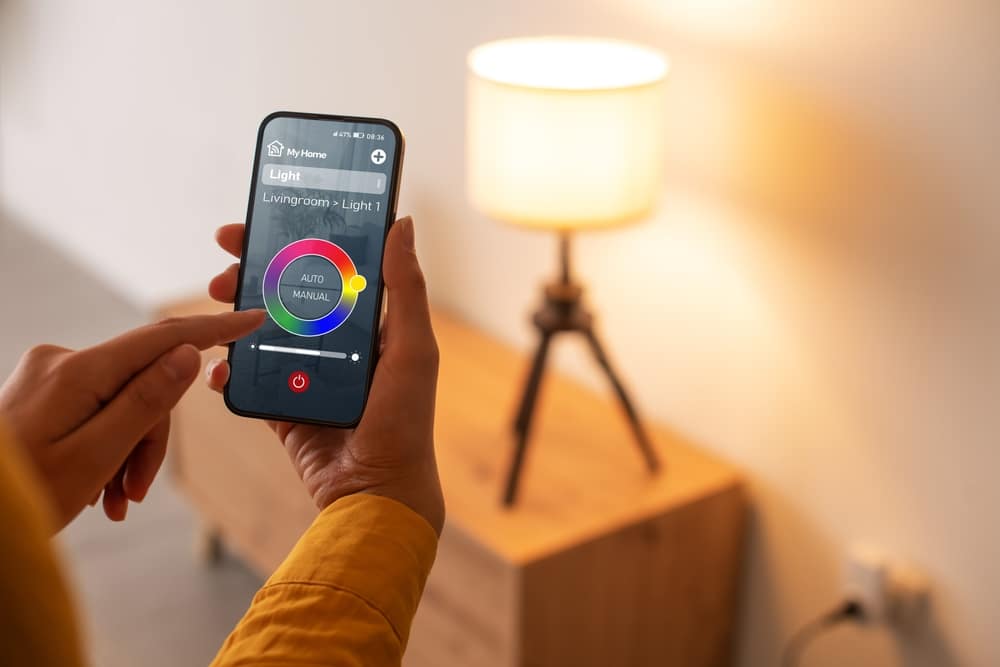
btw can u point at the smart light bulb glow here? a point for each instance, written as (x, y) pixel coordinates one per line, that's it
(565, 132)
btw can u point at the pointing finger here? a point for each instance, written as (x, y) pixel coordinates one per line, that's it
(118, 359)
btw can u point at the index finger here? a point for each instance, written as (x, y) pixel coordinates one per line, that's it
(114, 362)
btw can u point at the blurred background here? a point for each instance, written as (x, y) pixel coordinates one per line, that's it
(815, 300)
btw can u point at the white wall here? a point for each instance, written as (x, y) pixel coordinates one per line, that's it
(815, 300)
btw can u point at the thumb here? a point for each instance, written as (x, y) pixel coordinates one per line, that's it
(408, 317)
(100, 446)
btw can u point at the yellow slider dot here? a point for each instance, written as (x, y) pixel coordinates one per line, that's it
(358, 283)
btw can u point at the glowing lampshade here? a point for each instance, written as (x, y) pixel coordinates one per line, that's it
(565, 133)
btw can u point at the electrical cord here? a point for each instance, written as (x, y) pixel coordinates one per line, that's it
(796, 646)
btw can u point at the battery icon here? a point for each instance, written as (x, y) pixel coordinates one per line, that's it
(359, 135)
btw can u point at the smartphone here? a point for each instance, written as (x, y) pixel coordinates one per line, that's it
(322, 198)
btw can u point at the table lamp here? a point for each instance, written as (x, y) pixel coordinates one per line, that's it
(565, 135)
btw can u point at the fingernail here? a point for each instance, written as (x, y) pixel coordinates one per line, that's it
(406, 230)
(182, 362)
(210, 368)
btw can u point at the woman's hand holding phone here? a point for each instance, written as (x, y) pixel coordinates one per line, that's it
(391, 452)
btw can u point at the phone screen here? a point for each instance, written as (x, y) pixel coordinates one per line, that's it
(321, 201)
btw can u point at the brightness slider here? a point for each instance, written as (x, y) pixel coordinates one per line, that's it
(303, 351)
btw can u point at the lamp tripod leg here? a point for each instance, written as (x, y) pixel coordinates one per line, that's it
(522, 424)
(645, 447)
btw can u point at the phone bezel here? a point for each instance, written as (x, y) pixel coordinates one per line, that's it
(397, 168)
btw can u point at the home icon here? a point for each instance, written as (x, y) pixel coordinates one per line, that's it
(275, 148)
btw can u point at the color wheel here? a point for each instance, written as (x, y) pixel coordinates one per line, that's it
(352, 284)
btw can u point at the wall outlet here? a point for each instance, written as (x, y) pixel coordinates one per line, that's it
(890, 591)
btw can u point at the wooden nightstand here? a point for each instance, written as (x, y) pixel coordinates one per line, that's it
(598, 564)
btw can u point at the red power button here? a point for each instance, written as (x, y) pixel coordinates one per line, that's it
(298, 382)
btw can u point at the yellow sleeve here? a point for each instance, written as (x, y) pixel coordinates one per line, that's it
(37, 624)
(345, 595)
